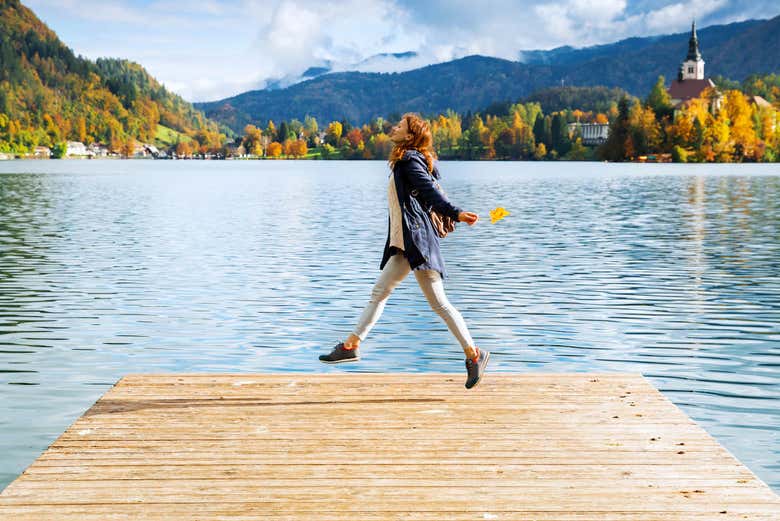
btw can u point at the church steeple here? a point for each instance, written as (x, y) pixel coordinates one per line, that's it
(693, 45)
(693, 66)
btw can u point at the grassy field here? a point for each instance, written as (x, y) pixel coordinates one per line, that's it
(167, 136)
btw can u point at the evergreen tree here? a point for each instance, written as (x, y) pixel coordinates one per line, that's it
(346, 127)
(283, 133)
(560, 135)
(548, 133)
(615, 147)
(539, 128)
(3, 102)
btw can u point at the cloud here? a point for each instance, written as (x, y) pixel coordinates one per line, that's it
(301, 34)
(589, 22)
(212, 49)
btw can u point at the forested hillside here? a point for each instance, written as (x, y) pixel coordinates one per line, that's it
(49, 95)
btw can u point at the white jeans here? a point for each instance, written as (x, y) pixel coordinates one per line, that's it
(396, 269)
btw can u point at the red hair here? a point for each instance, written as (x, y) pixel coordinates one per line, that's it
(422, 141)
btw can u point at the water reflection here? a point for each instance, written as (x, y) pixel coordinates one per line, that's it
(115, 267)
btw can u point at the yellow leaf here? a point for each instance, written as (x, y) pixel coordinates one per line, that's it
(497, 214)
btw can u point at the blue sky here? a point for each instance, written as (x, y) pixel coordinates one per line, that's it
(212, 49)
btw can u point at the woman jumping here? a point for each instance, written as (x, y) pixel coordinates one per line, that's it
(413, 244)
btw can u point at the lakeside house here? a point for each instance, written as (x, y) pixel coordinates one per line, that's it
(98, 150)
(40, 152)
(76, 148)
(145, 150)
(690, 82)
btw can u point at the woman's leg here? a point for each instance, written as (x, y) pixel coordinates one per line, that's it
(396, 269)
(433, 288)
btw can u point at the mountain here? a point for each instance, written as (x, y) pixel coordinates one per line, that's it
(49, 95)
(469, 84)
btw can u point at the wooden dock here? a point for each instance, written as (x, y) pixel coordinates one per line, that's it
(386, 446)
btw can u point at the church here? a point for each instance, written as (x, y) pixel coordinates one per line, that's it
(690, 82)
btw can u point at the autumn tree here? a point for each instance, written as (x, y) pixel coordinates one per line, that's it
(333, 133)
(252, 141)
(128, 148)
(740, 116)
(644, 129)
(523, 137)
(274, 149)
(381, 145)
(287, 146)
(81, 132)
(184, 149)
(540, 152)
(717, 137)
(299, 148)
(355, 138)
(270, 130)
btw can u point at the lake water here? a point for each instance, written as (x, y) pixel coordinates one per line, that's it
(115, 267)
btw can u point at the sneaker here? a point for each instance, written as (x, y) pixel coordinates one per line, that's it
(340, 354)
(475, 370)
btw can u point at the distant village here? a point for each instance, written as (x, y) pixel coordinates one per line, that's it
(78, 150)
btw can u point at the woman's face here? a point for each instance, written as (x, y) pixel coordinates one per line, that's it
(400, 132)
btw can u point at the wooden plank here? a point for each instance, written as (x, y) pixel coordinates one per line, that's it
(341, 446)
(255, 511)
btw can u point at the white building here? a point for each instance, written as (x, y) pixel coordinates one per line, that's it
(151, 150)
(76, 148)
(592, 133)
(97, 150)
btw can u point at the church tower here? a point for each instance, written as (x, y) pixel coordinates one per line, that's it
(693, 66)
(690, 82)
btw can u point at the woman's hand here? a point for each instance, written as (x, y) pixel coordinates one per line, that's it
(468, 217)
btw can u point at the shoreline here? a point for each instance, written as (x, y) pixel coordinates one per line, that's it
(495, 160)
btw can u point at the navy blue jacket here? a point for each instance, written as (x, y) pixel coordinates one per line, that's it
(416, 194)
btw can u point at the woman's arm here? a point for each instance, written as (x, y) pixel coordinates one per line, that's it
(418, 178)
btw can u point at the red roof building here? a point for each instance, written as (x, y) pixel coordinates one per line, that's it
(684, 90)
